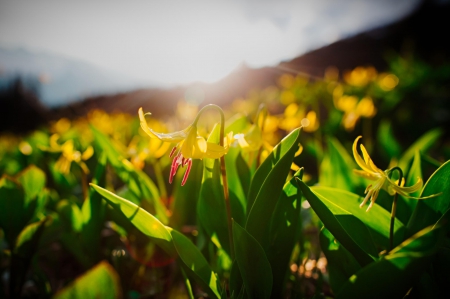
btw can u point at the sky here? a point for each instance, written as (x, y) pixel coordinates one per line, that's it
(176, 42)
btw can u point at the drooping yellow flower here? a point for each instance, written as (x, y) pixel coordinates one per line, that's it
(189, 146)
(68, 154)
(381, 178)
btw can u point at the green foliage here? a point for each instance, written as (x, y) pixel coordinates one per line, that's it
(266, 213)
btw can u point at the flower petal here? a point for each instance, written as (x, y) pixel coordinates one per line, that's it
(406, 190)
(368, 175)
(358, 158)
(168, 137)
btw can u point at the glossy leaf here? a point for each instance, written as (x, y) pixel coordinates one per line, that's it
(428, 211)
(238, 176)
(211, 209)
(267, 185)
(341, 264)
(393, 275)
(12, 200)
(170, 240)
(285, 230)
(377, 220)
(253, 264)
(196, 263)
(102, 281)
(33, 182)
(423, 144)
(337, 167)
(141, 219)
(350, 231)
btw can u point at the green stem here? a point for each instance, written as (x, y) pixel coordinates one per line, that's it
(394, 208)
(159, 179)
(223, 171)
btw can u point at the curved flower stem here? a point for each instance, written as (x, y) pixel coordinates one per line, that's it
(223, 171)
(394, 208)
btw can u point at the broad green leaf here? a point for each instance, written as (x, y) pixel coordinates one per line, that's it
(70, 216)
(341, 264)
(387, 140)
(212, 199)
(394, 274)
(337, 167)
(236, 124)
(425, 142)
(93, 211)
(267, 185)
(351, 232)
(236, 284)
(377, 220)
(238, 177)
(26, 246)
(138, 182)
(253, 264)
(171, 241)
(428, 211)
(285, 228)
(102, 281)
(104, 145)
(184, 205)
(195, 262)
(14, 215)
(33, 181)
(141, 219)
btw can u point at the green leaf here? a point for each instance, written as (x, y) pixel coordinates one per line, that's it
(423, 144)
(102, 281)
(238, 177)
(337, 167)
(141, 219)
(341, 264)
(393, 275)
(350, 231)
(285, 228)
(12, 200)
(70, 215)
(33, 181)
(93, 210)
(387, 140)
(170, 240)
(267, 185)
(196, 263)
(184, 206)
(212, 199)
(428, 211)
(377, 220)
(253, 264)
(137, 181)
(236, 124)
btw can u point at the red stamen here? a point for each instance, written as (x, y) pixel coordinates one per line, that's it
(186, 161)
(186, 174)
(173, 169)
(172, 151)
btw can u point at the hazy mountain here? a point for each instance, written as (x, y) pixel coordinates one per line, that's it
(62, 80)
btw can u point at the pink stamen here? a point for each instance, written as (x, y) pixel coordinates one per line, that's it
(174, 167)
(172, 151)
(186, 174)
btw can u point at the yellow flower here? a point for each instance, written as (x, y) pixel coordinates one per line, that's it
(189, 146)
(381, 178)
(68, 154)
